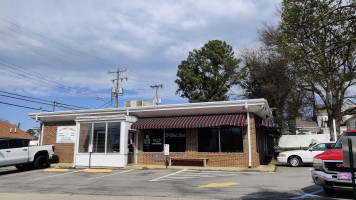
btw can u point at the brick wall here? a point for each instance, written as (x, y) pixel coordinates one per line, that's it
(64, 151)
(214, 159)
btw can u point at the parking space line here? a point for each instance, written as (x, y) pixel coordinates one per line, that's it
(59, 175)
(162, 177)
(110, 174)
(307, 195)
(22, 173)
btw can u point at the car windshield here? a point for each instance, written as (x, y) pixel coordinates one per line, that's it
(339, 141)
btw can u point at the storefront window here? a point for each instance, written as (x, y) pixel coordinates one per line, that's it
(153, 140)
(176, 139)
(220, 139)
(113, 140)
(84, 137)
(99, 138)
(208, 140)
(231, 139)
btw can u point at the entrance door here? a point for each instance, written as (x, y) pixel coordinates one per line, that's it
(132, 145)
(100, 142)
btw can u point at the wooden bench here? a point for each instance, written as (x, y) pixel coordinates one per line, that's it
(188, 159)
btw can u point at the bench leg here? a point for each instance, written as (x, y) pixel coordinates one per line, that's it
(204, 163)
(170, 162)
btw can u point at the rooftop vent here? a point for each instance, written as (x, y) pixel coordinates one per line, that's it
(138, 103)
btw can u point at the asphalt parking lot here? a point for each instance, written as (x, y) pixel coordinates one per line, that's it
(285, 183)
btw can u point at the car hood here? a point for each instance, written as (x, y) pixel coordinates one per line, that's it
(332, 154)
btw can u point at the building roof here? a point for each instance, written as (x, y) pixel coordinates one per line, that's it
(11, 131)
(258, 106)
(305, 123)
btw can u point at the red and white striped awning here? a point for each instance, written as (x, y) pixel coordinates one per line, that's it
(196, 121)
(264, 122)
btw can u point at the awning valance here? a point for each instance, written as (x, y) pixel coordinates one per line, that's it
(264, 122)
(196, 121)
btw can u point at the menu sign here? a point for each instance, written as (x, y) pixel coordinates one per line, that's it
(66, 134)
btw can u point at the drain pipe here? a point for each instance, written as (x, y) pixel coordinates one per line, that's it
(42, 128)
(248, 136)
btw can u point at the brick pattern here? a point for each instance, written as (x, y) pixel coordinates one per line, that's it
(64, 151)
(214, 159)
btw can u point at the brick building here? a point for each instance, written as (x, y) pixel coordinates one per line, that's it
(222, 134)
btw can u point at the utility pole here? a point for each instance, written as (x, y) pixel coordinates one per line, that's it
(116, 90)
(156, 99)
(54, 105)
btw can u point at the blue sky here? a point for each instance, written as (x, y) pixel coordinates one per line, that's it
(62, 50)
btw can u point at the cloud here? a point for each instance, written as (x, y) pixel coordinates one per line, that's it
(150, 38)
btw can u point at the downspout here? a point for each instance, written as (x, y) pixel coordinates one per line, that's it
(248, 136)
(42, 125)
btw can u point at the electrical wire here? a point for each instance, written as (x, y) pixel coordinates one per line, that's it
(82, 54)
(23, 106)
(72, 107)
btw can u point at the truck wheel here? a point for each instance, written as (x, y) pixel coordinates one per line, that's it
(41, 162)
(329, 190)
(22, 167)
(294, 161)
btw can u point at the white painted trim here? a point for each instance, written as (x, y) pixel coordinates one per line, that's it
(171, 107)
(249, 137)
(43, 126)
(76, 143)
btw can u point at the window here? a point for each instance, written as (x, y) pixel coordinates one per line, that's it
(104, 137)
(15, 144)
(84, 137)
(153, 140)
(4, 144)
(208, 140)
(176, 138)
(319, 147)
(221, 139)
(113, 141)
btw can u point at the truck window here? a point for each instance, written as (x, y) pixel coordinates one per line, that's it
(4, 144)
(15, 144)
(339, 141)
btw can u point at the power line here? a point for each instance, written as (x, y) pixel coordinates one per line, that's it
(43, 100)
(46, 81)
(23, 106)
(82, 54)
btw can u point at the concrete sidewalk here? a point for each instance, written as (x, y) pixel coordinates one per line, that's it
(17, 196)
(271, 167)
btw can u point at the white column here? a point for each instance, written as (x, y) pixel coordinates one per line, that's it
(248, 136)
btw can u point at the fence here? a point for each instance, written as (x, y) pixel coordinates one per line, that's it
(289, 141)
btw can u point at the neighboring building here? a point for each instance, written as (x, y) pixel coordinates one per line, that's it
(351, 123)
(307, 125)
(224, 134)
(8, 130)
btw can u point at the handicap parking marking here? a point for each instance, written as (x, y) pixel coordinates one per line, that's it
(111, 174)
(187, 174)
(58, 175)
(307, 195)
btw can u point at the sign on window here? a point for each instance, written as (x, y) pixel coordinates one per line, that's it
(66, 134)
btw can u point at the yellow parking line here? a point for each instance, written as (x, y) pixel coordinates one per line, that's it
(219, 185)
(98, 170)
(56, 170)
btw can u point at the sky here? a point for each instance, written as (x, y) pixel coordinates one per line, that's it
(62, 50)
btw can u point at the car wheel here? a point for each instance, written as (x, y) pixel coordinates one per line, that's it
(329, 190)
(22, 167)
(41, 162)
(294, 161)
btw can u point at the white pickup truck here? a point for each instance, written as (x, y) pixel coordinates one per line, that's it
(17, 152)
